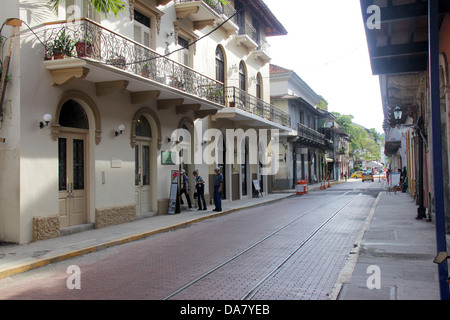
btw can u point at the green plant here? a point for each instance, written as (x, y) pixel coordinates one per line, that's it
(63, 43)
(104, 7)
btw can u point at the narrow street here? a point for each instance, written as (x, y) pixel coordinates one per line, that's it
(293, 249)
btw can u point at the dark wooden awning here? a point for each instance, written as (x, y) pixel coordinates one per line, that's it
(401, 44)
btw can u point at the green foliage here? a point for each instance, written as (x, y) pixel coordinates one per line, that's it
(323, 104)
(103, 7)
(63, 43)
(363, 145)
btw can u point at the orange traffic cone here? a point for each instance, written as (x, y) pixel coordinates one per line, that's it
(329, 185)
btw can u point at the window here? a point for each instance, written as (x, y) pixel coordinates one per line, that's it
(240, 16)
(184, 54)
(258, 86)
(220, 65)
(256, 36)
(143, 128)
(72, 115)
(242, 77)
(142, 29)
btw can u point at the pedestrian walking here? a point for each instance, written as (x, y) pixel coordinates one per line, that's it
(200, 186)
(185, 189)
(218, 185)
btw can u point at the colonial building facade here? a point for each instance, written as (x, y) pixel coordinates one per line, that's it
(303, 154)
(99, 111)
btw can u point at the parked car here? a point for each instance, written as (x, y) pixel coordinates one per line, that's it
(356, 174)
(367, 176)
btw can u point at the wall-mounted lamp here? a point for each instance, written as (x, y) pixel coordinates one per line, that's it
(397, 113)
(119, 130)
(47, 118)
(180, 139)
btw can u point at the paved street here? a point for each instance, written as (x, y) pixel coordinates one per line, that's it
(287, 250)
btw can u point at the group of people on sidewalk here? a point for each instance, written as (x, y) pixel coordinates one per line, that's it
(200, 190)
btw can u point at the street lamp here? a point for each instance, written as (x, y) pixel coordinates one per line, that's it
(397, 113)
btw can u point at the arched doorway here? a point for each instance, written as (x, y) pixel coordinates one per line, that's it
(146, 139)
(142, 175)
(73, 164)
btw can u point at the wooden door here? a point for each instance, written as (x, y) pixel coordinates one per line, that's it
(142, 177)
(72, 179)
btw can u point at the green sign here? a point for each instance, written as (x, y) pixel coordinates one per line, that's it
(168, 157)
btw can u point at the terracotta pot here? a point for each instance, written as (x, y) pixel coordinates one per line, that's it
(84, 49)
(58, 54)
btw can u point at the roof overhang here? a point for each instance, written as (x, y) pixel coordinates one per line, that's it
(273, 25)
(400, 45)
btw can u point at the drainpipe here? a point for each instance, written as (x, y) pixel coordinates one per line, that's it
(433, 38)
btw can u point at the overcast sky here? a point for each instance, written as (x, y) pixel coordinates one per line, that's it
(326, 46)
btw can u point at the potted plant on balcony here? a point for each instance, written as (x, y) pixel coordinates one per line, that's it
(62, 45)
(214, 93)
(84, 48)
(145, 70)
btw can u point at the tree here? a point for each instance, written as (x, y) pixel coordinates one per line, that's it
(363, 145)
(104, 7)
(323, 104)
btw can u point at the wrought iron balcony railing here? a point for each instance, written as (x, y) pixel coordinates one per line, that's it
(246, 28)
(240, 99)
(310, 134)
(214, 4)
(230, 12)
(87, 39)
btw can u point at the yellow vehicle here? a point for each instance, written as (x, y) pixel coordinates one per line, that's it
(367, 176)
(356, 174)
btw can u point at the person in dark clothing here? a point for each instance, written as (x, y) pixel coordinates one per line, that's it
(218, 185)
(185, 189)
(404, 178)
(200, 185)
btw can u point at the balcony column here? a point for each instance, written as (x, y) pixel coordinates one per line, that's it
(441, 242)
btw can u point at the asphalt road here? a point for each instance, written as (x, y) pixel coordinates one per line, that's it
(293, 249)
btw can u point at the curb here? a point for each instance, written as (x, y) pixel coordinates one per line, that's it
(349, 266)
(23, 267)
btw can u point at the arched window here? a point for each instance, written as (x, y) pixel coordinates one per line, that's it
(143, 128)
(242, 77)
(259, 86)
(72, 115)
(220, 65)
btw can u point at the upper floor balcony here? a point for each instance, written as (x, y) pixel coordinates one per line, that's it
(253, 111)
(310, 137)
(103, 55)
(206, 12)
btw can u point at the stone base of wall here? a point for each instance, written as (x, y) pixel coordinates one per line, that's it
(111, 216)
(46, 227)
(163, 207)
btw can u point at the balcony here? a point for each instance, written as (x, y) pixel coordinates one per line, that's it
(110, 57)
(250, 110)
(309, 137)
(201, 12)
(262, 52)
(247, 36)
(230, 19)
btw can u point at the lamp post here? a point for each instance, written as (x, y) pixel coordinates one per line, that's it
(398, 113)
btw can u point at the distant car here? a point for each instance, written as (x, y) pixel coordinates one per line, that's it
(356, 174)
(367, 176)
